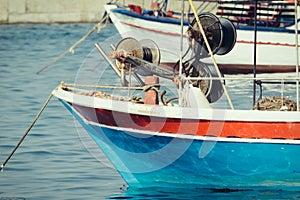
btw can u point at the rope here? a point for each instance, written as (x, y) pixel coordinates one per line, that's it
(210, 52)
(98, 27)
(26, 132)
(144, 88)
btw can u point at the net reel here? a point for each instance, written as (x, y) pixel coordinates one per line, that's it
(221, 36)
(133, 51)
(211, 88)
(220, 33)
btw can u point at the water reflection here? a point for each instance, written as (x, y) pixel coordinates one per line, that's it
(204, 193)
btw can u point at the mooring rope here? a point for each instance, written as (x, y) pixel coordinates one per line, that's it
(98, 27)
(26, 132)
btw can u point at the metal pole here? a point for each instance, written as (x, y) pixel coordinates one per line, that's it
(180, 55)
(255, 41)
(115, 68)
(297, 53)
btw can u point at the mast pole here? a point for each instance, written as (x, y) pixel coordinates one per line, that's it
(165, 5)
(181, 53)
(254, 57)
(297, 53)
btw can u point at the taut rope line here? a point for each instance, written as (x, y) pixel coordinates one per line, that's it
(145, 87)
(210, 52)
(26, 132)
(98, 27)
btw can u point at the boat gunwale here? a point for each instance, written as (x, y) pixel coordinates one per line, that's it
(176, 111)
(175, 21)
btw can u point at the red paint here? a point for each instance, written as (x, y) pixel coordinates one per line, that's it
(135, 8)
(241, 129)
(151, 30)
(151, 95)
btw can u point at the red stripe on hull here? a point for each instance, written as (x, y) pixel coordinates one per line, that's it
(238, 41)
(241, 129)
(244, 68)
(151, 30)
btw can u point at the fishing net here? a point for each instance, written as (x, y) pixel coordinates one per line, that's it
(276, 104)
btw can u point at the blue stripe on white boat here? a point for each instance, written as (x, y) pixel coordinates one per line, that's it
(168, 20)
(149, 17)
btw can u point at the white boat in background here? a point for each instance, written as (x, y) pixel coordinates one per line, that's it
(275, 33)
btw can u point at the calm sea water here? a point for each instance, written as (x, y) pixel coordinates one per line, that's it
(56, 160)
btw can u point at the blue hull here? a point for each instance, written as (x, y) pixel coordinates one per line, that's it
(161, 160)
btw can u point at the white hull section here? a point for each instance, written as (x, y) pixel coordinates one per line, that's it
(273, 48)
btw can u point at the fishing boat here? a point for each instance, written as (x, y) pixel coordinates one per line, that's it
(275, 31)
(155, 136)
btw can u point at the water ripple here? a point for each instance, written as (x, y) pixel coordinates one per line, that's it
(52, 163)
